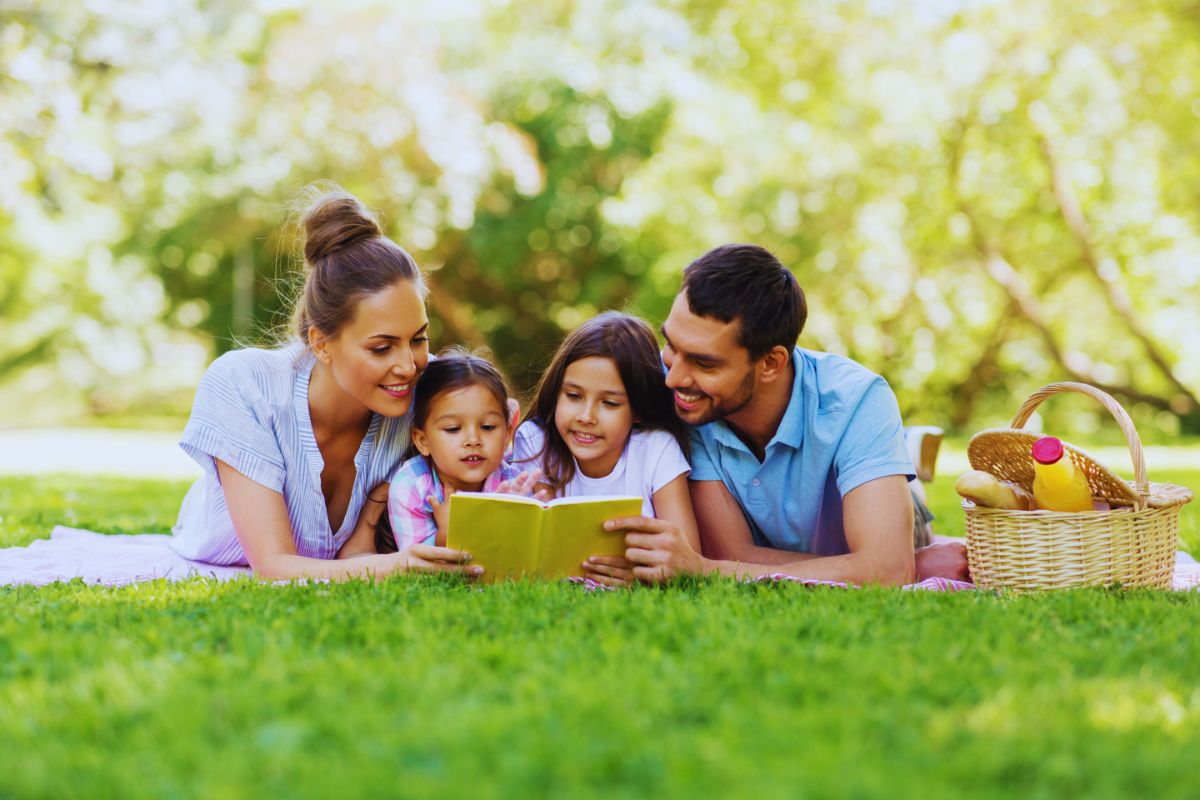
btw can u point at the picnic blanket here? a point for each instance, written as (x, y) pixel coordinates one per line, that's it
(97, 558)
(117, 560)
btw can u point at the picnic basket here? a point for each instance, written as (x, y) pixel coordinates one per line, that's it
(1133, 544)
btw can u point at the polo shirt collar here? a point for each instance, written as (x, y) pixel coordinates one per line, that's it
(791, 427)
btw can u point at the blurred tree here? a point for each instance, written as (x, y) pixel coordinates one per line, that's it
(979, 198)
(552, 257)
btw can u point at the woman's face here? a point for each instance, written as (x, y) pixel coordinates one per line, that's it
(382, 349)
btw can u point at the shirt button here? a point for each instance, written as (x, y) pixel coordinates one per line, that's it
(756, 481)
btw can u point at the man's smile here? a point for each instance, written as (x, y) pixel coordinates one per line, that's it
(688, 399)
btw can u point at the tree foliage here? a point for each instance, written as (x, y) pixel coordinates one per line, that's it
(978, 198)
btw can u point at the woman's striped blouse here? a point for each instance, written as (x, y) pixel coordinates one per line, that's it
(251, 411)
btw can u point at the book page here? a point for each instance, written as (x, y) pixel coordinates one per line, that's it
(573, 530)
(500, 531)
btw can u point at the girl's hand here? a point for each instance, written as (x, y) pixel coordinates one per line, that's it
(526, 485)
(428, 558)
(609, 570)
(441, 514)
(658, 549)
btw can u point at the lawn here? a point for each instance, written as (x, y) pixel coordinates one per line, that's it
(424, 687)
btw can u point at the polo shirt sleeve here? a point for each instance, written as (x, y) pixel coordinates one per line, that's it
(704, 468)
(873, 443)
(231, 421)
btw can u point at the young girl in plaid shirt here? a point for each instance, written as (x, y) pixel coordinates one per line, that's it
(460, 429)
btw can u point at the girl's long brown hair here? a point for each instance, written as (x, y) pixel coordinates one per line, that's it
(629, 342)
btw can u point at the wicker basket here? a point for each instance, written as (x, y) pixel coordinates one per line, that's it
(1133, 544)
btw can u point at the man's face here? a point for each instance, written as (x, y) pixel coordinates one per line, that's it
(710, 374)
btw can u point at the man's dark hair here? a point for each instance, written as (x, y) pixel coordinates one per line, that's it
(744, 282)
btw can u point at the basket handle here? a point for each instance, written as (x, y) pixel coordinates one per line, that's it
(1131, 435)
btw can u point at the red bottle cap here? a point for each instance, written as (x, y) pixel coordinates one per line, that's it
(1047, 450)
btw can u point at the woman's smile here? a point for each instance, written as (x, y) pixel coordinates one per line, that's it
(398, 390)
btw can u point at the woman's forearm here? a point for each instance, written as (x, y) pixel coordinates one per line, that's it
(289, 566)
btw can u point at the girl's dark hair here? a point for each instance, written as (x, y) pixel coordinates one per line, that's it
(347, 258)
(630, 343)
(453, 369)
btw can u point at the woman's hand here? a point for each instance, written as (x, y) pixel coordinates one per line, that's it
(429, 558)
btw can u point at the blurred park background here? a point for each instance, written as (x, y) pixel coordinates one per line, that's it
(978, 197)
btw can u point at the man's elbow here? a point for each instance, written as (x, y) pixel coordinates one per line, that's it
(904, 573)
(899, 570)
(721, 548)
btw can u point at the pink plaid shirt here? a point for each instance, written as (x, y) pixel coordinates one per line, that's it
(409, 511)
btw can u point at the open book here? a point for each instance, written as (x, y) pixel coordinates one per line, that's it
(511, 536)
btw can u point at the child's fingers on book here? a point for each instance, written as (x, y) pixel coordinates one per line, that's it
(646, 541)
(649, 524)
(642, 556)
(610, 561)
(623, 571)
(650, 574)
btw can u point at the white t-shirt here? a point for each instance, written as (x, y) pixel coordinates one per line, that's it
(650, 461)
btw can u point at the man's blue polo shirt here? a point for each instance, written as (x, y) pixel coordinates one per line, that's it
(841, 429)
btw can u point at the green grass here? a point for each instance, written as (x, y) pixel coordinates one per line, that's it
(424, 687)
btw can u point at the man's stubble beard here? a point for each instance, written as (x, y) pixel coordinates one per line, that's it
(740, 399)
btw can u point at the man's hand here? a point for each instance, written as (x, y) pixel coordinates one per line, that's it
(657, 549)
(945, 558)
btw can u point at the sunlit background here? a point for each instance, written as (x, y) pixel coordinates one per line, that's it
(978, 197)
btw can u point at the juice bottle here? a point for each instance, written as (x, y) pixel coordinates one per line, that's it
(1057, 484)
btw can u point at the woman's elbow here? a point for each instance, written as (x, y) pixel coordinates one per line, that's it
(268, 569)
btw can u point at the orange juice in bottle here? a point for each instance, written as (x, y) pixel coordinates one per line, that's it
(1058, 485)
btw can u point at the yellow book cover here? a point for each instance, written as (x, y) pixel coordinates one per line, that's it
(512, 537)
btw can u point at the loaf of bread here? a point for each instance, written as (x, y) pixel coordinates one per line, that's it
(985, 489)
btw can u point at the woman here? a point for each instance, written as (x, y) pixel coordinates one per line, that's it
(297, 443)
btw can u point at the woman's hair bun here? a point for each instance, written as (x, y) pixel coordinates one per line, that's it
(336, 220)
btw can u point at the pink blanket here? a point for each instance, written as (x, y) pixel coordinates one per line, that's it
(97, 558)
(117, 560)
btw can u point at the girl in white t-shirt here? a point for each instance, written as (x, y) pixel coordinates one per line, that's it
(603, 423)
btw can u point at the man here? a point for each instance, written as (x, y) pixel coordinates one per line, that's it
(798, 457)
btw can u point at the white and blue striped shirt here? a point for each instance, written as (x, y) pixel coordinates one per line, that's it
(251, 411)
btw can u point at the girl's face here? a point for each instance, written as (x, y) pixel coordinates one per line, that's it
(464, 436)
(593, 414)
(378, 355)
